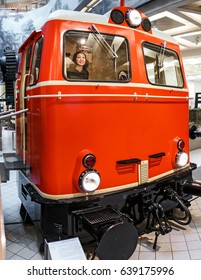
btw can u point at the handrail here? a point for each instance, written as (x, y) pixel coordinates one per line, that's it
(13, 114)
(2, 234)
(6, 112)
(59, 95)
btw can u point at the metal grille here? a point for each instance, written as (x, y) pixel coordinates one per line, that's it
(143, 172)
(101, 216)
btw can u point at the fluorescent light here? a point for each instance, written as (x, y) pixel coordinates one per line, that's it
(186, 24)
(91, 5)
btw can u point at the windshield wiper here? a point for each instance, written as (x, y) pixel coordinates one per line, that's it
(115, 59)
(160, 58)
(161, 54)
(103, 42)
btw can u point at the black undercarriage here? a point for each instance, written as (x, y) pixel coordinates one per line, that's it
(103, 221)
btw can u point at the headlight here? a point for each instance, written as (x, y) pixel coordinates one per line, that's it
(181, 159)
(146, 24)
(133, 18)
(89, 180)
(180, 144)
(117, 16)
(89, 161)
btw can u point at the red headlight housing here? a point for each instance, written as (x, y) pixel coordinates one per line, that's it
(180, 144)
(89, 161)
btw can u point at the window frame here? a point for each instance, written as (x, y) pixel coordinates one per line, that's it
(64, 72)
(156, 47)
(33, 61)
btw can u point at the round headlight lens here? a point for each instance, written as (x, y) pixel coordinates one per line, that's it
(146, 24)
(89, 181)
(117, 16)
(133, 18)
(181, 159)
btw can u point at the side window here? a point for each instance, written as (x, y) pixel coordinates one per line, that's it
(96, 57)
(28, 59)
(162, 65)
(35, 67)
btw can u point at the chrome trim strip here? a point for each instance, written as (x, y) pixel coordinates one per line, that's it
(167, 173)
(103, 191)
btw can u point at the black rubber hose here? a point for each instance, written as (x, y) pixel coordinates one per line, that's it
(187, 218)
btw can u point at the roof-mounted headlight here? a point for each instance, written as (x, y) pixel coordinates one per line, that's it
(89, 181)
(117, 16)
(146, 24)
(133, 18)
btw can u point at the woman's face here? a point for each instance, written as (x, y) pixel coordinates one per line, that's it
(80, 59)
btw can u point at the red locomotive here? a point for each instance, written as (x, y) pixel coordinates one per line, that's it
(103, 135)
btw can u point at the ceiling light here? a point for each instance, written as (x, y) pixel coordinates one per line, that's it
(91, 5)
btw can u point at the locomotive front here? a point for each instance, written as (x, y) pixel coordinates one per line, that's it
(104, 139)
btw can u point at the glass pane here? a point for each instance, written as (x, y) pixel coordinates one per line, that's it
(97, 57)
(36, 61)
(162, 66)
(28, 59)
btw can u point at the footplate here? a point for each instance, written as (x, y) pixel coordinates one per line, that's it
(101, 216)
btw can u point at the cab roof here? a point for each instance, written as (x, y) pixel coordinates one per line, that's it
(77, 16)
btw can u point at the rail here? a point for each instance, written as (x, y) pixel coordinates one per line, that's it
(2, 233)
(12, 114)
(147, 96)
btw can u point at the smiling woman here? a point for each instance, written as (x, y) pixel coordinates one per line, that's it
(79, 70)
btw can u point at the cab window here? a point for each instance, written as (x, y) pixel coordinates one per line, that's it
(162, 65)
(96, 57)
(28, 59)
(35, 67)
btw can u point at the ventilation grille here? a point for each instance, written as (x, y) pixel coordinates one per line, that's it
(143, 172)
(101, 216)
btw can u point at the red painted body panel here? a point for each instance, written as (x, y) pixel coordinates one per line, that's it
(113, 128)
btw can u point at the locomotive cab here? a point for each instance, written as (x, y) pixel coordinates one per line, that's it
(103, 136)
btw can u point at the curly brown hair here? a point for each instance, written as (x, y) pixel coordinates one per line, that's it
(75, 56)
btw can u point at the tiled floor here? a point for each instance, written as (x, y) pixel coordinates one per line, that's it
(20, 239)
(181, 244)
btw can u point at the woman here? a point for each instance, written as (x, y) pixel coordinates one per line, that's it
(79, 70)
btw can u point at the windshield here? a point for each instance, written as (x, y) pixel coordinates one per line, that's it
(96, 57)
(162, 65)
